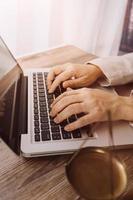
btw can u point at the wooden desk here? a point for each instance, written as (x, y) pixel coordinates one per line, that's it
(44, 178)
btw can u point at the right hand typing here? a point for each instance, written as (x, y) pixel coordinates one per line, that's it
(73, 75)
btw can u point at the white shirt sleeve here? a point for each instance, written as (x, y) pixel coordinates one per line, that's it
(118, 70)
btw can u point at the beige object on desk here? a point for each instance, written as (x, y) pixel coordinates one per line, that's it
(44, 178)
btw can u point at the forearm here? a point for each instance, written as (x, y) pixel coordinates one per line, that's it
(126, 108)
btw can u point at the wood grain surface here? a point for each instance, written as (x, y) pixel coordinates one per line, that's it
(44, 178)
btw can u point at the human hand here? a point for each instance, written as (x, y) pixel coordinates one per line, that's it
(94, 103)
(73, 75)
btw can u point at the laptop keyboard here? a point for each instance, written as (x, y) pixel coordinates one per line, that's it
(45, 129)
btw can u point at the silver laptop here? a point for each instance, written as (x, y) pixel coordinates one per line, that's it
(25, 124)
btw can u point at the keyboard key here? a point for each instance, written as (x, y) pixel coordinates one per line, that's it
(40, 81)
(41, 91)
(64, 123)
(35, 95)
(80, 115)
(35, 100)
(55, 129)
(43, 114)
(35, 111)
(42, 99)
(42, 104)
(57, 92)
(37, 138)
(43, 109)
(50, 96)
(65, 134)
(41, 94)
(34, 87)
(37, 130)
(45, 135)
(35, 105)
(36, 117)
(39, 73)
(56, 136)
(40, 77)
(40, 86)
(50, 101)
(72, 119)
(44, 126)
(44, 120)
(46, 74)
(76, 134)
(52, 123)
(36, 123)
(34, 81)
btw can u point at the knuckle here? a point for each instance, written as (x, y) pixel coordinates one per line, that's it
(83, 106)
(83, 121)
(55, 109)
(66, 93)
(71, 108)
(64, 101)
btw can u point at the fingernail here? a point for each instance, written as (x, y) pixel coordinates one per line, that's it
(50, 91)
(56, 120)
(67, 128)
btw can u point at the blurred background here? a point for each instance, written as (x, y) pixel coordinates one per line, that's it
(100, 27)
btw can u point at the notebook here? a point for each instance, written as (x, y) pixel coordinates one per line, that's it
(25, 124)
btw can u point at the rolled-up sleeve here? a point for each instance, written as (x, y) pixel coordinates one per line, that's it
(118, 70)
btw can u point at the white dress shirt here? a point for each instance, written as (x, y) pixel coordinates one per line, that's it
(118, 70)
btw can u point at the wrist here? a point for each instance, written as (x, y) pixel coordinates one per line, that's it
(126, 108)
(98, 71)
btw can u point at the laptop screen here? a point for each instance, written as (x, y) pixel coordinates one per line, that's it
(9, 76)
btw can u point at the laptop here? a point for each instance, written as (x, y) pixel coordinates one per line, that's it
(25, 124)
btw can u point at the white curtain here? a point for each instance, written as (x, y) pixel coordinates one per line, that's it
(30, 26)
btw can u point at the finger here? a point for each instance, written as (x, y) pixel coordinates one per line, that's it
(67, 93)
(81, 122)
(69, 89)
(74, 83)
(59, 79)
(68, 111)
(52, 74)
(63, 103)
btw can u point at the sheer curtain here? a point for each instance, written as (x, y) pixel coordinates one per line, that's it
(36, 25)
